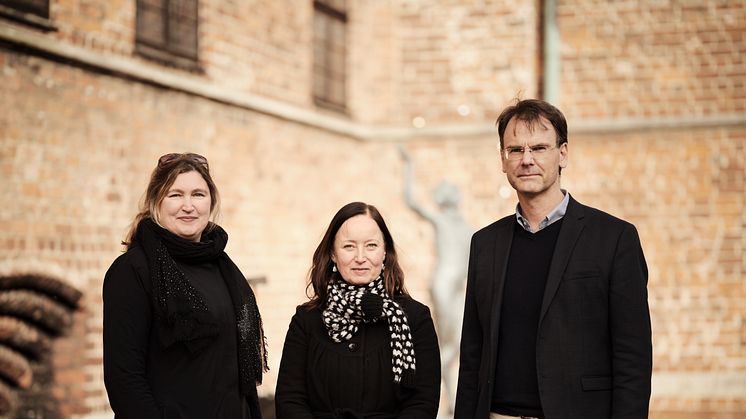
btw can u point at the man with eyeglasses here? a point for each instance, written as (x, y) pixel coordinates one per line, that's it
(556, 320)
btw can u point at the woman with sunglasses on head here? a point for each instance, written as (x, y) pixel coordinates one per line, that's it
(361, 348)
(182, 332)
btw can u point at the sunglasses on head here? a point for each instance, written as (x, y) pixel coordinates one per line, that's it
(196, 158)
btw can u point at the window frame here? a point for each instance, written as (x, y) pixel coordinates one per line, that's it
(165, 49)
(327, 72)
(35, 14)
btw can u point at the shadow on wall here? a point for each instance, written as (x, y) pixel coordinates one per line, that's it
(34, 309)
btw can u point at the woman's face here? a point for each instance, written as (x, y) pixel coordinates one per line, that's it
(185, 210)
(359, 250)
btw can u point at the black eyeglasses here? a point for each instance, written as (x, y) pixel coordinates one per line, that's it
(196, 158)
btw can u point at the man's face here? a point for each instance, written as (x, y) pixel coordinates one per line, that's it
(532, 173)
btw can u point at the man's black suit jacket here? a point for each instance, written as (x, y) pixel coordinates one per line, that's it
(593, 346)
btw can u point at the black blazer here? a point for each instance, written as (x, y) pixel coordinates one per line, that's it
(593, 346)
(321, 379)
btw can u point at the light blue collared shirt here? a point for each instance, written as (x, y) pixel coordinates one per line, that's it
(555, 215)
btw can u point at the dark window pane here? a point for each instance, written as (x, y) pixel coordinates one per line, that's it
(167, 30)
(35, 7)
(330, 53)
(151, 26)
(182, 33)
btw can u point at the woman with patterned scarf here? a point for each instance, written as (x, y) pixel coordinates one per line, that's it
(182, 333)
(361, 348)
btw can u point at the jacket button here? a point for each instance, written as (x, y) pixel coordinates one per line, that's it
(352, 346)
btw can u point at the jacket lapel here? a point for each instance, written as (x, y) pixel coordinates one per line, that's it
(572, 226)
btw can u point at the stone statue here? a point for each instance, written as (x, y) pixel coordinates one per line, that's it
(452, 237)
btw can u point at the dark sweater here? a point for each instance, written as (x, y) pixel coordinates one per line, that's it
(516, 390)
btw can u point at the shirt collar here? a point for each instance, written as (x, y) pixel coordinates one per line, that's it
(555, 215)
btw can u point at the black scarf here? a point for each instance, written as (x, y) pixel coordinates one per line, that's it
(348, 305)
(181, 308)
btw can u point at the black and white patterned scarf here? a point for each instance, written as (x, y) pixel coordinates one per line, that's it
(350, 305)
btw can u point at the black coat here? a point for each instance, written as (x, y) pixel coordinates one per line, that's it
(593, 346)
(144, 380)
(319, 378)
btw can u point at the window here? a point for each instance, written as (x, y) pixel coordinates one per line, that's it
(33, 12)
(167, 31)
(330, 53)
(35, 7)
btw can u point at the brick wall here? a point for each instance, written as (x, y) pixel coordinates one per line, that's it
(652, 59)
(461, 60)
(654, 94)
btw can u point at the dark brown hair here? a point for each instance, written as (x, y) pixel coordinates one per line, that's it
(163, 177)
(321, 270)
(530, 111)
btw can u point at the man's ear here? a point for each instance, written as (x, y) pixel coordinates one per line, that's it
(564, 155)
